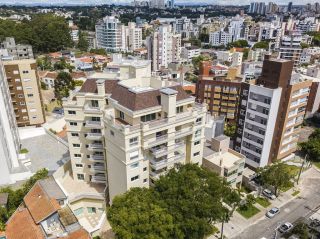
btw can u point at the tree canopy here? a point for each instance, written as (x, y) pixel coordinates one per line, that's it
(316, 38)
(182, 204)
(278, 176)
(197, 60)
(63, 84)
(83, 44)
(45, 32)
(312, 146)
(239, 43)
(262, 45)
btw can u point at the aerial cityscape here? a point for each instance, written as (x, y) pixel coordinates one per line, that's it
(159, 119)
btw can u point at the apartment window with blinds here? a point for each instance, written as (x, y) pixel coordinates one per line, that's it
(148, 117)
(133, 141)
(179, 109)
(134, 178)
(121, 115)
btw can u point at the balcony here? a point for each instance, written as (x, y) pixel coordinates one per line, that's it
(157, 140)
(95, 158)
(89, 109)
(94, 136)
(93, 124)
(97, 168)
(184, 132)
(93, 147)
(163, 150)
(99, 179)
(156, 174)
(157, 165)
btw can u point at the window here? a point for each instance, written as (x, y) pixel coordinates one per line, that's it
(94, 103)
(26, 80)
(22, 103)
(79, 165)
(148, 117)
(267, 101)
(263, 121)
(198, 133)
(17, 80)
(80, 176)
(71, 112)
(179, 109)
(134, 165)
(134, 155)
(73, 123)
(144, 169)
(29, 87)
(30, 95)
(133, 141)
(196, 154)
(33, 110)
(16, 72)
(75, 134)
(76, 145)
(77, 155)
(197, 142)
(111, 132)
(25, 72)
(20, 96)
(134, 178)
(19, 88)
(91, 209)
(198, 121)
(78, 211)
(145, 180)
(265, 111)
(121, 115)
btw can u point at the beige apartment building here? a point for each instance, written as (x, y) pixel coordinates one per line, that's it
(128, 133)
(24, 87)
(219, 158)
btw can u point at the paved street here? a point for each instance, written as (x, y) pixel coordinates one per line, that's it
(301, 206)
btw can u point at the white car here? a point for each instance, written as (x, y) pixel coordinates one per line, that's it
(285, 227)
(267, 193)
(272, 212)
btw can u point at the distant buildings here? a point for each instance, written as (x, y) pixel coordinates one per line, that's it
(257, 8)
(9, 50)
(164, 47)
(219, 38)
(290, 48)
(24, 87)
(74, 31)
(231, 57)
(189, 52)
(113, 36)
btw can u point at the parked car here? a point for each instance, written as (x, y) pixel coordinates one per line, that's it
(267, 193)
(272, 212)
(285, 227)
(58, 111)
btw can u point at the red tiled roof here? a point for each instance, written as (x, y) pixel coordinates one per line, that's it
(39, 203)
(78, 74)
(192, 88)
(78, 234)
(21, 225)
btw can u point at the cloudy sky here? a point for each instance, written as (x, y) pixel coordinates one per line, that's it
(93, 2)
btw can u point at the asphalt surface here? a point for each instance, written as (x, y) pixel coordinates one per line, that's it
(302, 206)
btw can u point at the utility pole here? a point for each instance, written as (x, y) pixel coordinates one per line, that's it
(304, 160)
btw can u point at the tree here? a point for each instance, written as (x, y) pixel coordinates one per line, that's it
(99, 51)
(137, 215)
(261, 45)
(63, 84)
(239, 43)
(230, 130)
(44, 63)
(277, 175)
(197, 60)
(183, 204)
(316, 38)
(312, 146)
(83, 44)
(304, 45)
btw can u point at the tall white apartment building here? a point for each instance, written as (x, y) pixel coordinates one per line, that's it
(157, 4)
(219, 38)
(128, 133)
(134, 37)
(290, 48)
(110, 34)
(9, 138)
(271, 113)
(271, 31)
(164, 47)
(235, 28)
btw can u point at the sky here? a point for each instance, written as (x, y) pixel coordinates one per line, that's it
(98, 2)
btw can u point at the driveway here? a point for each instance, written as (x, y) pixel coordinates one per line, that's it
(44, 151)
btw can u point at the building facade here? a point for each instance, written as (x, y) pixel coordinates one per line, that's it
(17, 51)
(24, 87)
(127, 133)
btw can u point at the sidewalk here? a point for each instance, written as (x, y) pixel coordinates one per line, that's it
(238, 223)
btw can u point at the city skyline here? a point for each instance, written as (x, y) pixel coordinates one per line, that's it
(125, 2)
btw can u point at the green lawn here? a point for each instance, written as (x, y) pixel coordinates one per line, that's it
(295, 193)
(263, 202)
(317, 164)
(250, 212)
